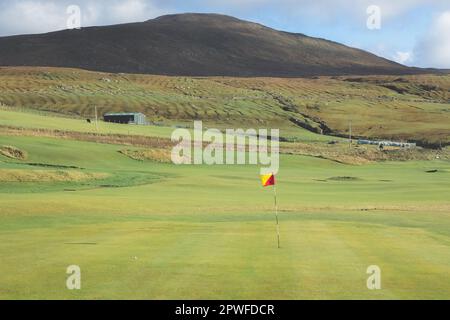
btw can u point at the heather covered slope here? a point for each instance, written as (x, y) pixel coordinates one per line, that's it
(193, 45)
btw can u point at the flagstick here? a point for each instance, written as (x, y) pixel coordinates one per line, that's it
(276, 214)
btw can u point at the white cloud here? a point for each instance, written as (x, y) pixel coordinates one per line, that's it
(34, 16)
(403, 57)
(333, 9)
(38, 16)
(31, 17)
(132, 11)
(433, 49)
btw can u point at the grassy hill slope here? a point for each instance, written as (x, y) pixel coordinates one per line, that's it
(380, 107)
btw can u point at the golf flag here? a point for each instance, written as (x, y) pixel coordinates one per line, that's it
(268, 180)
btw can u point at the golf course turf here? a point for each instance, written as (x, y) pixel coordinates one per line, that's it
(149, 230)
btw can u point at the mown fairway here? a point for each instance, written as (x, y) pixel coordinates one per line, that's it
(158, 231)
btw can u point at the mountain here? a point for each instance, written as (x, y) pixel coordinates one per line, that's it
(193, 45)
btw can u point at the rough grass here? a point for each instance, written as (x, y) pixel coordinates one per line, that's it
(362, 154)
(158, 155)
(21, 175)
(118, 139)
(13, 153)
(159, 148)
(408, 107)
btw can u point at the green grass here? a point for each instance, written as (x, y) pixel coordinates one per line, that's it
(382, 107)
(188, 232)
(34, 120)
(151, 230)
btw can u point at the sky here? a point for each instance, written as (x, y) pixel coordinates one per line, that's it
(411, 32)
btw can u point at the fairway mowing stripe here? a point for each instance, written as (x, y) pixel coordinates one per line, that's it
(82, 244)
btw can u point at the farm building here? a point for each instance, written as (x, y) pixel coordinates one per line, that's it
(126, 118)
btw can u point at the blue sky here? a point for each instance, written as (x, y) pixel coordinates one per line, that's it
(413, 32)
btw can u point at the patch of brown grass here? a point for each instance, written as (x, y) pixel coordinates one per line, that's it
(157, 155)
(21, 175)
(358, 154)
(13, 153)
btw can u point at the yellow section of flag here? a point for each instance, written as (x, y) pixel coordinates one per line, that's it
(268, 180)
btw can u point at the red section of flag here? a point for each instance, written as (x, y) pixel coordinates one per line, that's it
(268, 180)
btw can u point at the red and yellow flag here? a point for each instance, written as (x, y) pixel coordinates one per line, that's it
(268, 180)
